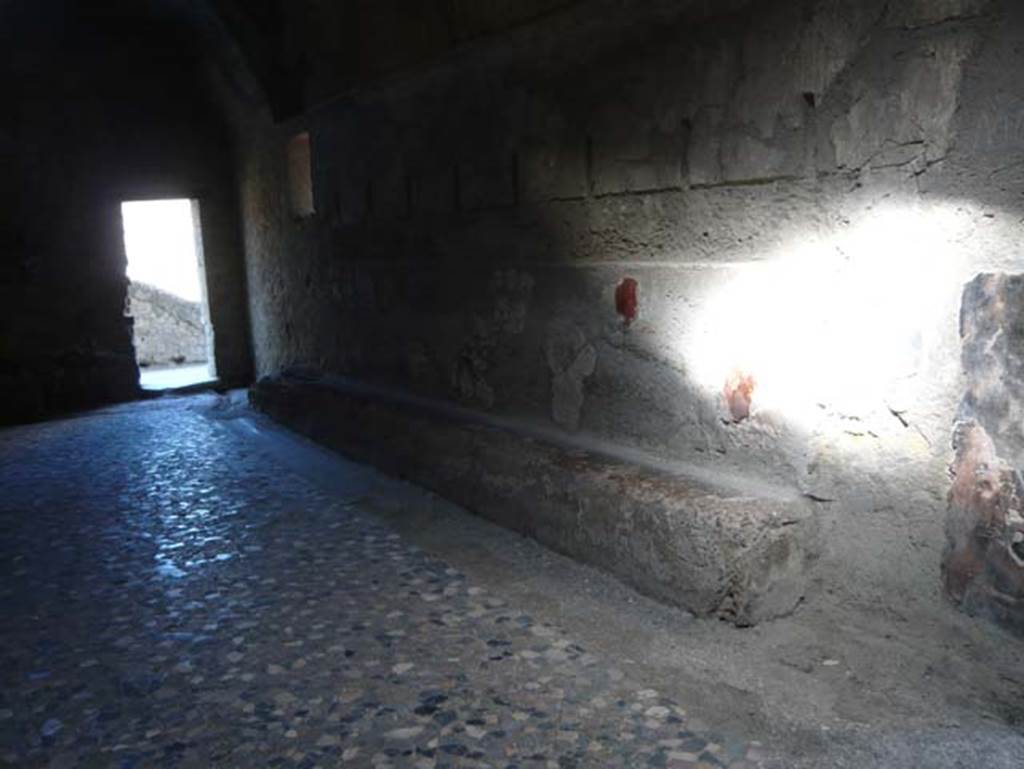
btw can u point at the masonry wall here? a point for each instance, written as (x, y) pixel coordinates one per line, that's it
(736, 240)
(100, 106)
(166, 329)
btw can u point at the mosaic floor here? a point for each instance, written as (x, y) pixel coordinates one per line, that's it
(171, 597)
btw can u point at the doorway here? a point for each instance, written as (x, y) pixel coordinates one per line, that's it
(167, 293)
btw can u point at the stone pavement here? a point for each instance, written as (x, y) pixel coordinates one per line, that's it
(173, 597)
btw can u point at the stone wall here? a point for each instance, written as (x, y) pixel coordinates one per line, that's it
(736, 239)
(165, 328)
(101, 105)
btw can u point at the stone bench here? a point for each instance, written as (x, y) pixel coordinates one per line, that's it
(714, 553)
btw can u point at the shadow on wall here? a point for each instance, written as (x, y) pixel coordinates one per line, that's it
(796, 197)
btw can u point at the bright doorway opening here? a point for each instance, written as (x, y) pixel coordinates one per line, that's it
(167, 293)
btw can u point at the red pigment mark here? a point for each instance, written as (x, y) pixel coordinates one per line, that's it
(626, 300)
(739, 392)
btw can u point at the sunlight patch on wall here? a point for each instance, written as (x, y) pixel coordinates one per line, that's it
(838, 323)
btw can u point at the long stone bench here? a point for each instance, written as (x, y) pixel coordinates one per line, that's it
(677, 539)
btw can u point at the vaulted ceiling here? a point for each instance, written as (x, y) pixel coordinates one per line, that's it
(299, 52)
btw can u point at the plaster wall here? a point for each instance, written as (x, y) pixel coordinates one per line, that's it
(799, 191)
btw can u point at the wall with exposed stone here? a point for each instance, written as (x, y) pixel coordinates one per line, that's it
(166, 329)
(737, 240)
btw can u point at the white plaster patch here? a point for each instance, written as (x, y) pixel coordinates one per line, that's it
(571, 359)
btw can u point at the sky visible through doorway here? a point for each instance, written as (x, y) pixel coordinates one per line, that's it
(159, 238)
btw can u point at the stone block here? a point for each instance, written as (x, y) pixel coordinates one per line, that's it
(715, 553)
(636, 155)
(902, 115)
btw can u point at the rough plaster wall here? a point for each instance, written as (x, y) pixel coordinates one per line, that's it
(165, 328)
(801, 189)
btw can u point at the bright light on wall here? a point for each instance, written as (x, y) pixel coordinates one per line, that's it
(160, 241)
(839, 323)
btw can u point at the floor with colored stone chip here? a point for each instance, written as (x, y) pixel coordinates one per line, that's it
(174, 597)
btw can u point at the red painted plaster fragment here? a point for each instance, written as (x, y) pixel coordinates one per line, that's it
(627, 299)
(739, 394)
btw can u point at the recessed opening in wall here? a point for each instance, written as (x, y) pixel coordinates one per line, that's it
(167, 293)
(300, 176)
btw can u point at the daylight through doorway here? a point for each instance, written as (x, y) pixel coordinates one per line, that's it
(167, 293)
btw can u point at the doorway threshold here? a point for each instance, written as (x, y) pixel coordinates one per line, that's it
(175, 377)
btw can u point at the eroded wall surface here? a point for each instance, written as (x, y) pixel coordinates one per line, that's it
(738, 240)
(983, 566)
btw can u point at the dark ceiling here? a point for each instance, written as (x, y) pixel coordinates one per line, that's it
(44, 35)
(298, 52)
